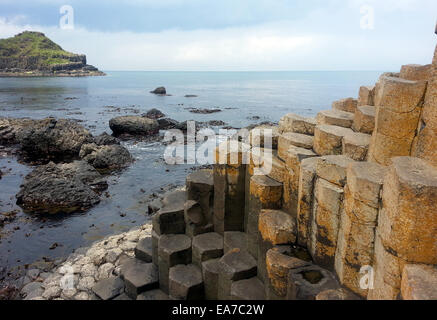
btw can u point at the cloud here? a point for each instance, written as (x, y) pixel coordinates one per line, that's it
(322, 39)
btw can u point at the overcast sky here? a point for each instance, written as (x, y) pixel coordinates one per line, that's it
(235, 34)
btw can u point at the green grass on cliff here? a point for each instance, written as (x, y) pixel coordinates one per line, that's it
(33, 44)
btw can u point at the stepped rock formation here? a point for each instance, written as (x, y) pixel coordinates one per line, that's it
(343, 207)
(31, 54)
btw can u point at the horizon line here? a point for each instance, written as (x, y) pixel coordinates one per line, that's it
(247, 70)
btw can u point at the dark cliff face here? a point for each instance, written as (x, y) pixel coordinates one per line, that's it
(32, 52)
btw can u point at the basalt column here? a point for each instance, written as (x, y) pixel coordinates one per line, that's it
(229, 186)
(398, 107)
(356, 237)
(426, 145)
(265, 193)
(407, 224)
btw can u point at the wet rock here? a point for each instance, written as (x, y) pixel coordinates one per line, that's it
(204, 111)
(105, 140)
(112, 157)
(159, 90)
(10, 127)
(167, 123)
(62, 188)
(52, 139)
(154, 114)
(133, 125)
(216, 123)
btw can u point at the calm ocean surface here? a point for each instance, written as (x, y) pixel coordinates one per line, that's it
(94, 101)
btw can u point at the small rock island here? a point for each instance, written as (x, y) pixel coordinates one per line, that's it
(32, 54)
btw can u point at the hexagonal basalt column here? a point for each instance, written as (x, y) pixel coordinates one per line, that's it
(294, 158)
(307, 282)
(292, 139)
(356, 236)
(335, 118)
(365, 96)
(173, 250)
(211, 271)
(305, 200)
(294, 123)
(169, 220)
(186, 282)
(249, 290)
(280, 260)
(328, 206)
(144, 250)
(235, 265)
(265, 193)
(328, 140)
(234, 240)
(356, 145)
(406, 224)
(275, 227)
(232, 158)
(347, 105)
(364, 120)
(206, 247)
(200, 188)
(139, 277)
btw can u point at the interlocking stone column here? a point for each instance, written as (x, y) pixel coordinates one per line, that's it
(398, 107)
(407, 224)
(276, 227)
(356, 238)
(280, 260)
(232, 158)
(294, 158)
(265, 193)
(200, 189)
(328, 208)
(365, 96)
(305, 199)
(426, 144)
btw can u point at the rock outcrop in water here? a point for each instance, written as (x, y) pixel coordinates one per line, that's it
(52, 139)
(134, 125)
(61, 188)
(31, 54)
(159, 91)
(106, 157)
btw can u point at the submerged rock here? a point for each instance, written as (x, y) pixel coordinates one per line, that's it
(133, 125)
(52, 139)
(106, 157)
(61, 188)
(154, 114)
(160, 90)
(204, 111)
